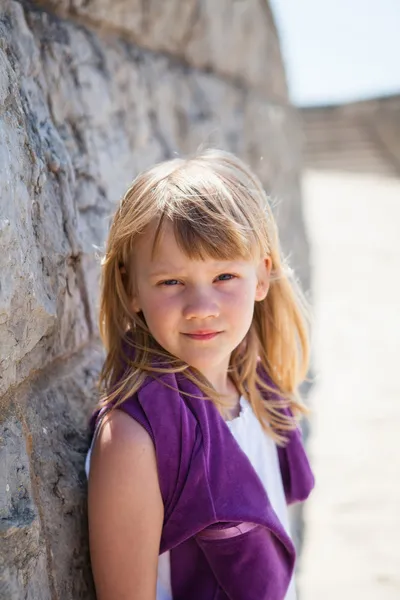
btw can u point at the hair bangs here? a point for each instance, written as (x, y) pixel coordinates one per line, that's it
(200, 242)
(208, 227)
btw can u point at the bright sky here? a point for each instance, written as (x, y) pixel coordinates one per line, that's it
(339, 50)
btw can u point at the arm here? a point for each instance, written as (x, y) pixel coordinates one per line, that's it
(125, 511)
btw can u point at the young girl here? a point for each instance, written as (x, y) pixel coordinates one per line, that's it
(196, 451)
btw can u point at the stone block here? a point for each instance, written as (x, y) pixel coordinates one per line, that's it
(57, 408)
(234, 39)
(42, 307)
(23, 550)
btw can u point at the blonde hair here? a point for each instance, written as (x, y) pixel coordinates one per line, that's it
(218, 209)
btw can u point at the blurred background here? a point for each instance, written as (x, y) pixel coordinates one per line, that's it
(306, 92)
(341, 59)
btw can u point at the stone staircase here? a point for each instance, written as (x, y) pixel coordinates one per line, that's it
(361, 137)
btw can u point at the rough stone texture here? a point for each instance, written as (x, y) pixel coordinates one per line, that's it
(85, 103)
(227, 37)
(44, 551)
(22, 557)
(56, 406)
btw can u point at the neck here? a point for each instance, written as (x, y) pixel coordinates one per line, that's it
(224, 385)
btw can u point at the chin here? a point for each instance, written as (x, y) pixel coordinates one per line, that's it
(205, 362)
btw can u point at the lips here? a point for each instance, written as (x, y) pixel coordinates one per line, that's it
(205, 334)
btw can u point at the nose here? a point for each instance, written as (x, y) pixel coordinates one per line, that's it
(200, 304)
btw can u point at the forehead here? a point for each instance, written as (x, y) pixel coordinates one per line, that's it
(167, 254)
(154, 244)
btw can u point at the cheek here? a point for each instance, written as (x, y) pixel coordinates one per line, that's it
(244, 295)
(158, 309)
(246, 309)
(240, 306)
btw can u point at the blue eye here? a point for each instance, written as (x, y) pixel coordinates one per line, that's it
(169, 282)
(226, 277)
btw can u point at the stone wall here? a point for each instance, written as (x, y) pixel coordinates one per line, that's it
(90, 93)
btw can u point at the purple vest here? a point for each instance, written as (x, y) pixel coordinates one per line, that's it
(225, 539)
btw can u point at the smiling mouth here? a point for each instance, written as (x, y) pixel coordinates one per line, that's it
(203, 335)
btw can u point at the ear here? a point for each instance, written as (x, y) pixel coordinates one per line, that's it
(135, 304)
(135, 300)
(263, 278)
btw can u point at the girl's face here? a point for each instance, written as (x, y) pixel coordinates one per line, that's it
(197, 310)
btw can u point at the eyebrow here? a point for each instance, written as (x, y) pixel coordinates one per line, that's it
(163, 271)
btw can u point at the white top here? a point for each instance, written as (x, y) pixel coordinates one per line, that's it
(262, 452)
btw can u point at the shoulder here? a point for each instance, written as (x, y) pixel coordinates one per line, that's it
(118, 430)
(122, 445)
(161, 408)
(123, 456)
(160, 405)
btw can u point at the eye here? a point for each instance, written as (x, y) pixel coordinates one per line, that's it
(226, 277)
(169, 282)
